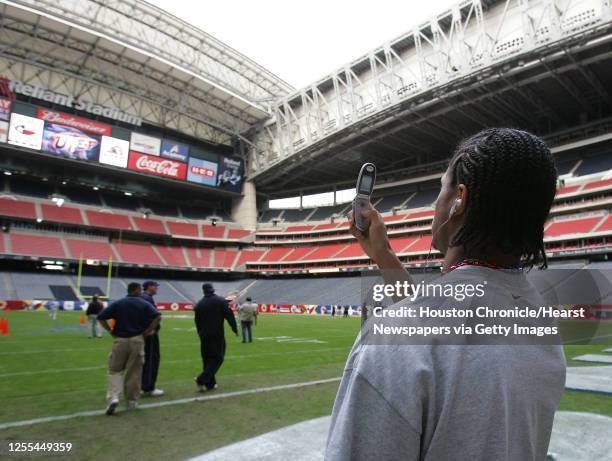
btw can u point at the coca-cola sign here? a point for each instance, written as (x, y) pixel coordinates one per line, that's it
(74, 122)
(158, 166)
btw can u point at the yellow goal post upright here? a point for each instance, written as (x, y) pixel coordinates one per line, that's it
(109, 276)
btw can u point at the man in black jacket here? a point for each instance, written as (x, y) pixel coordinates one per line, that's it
(210, 312)
(152, 354)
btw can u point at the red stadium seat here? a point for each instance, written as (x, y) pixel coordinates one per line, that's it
(276, 254)
(199, 257)
(567, 190)
(138, 253)
(62, 214)
(238, 233)
(213, 232)
(596, 184)
(224, 258)
(606, 225)
(108, 220)
(298, 253)
(150, 225)
(299, 228)
(90, 249)
(351, 251)
(574, 226)
(401, 244)
(325, 252)
(17, 208)
(173, 255)
(37, 245)
(249, 256)
(423, 244)
(182, 229)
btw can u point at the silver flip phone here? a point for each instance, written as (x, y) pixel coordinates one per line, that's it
(365, 186)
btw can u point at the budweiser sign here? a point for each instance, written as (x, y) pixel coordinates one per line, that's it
(157, 166)
(73, 122)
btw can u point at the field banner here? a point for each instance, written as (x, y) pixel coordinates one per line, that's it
(26, 131)
(145, 144)
(174, 306)
(174, 150)
(114, 151)
(70, 142)
(157, 166)
(82, 124)
(231, 171)
(4, 126)
(202, 172)
(5, 109)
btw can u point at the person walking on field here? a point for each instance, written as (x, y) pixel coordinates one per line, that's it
(135, 319)
(93, 309)
(210, 312)
(248, 314)
(152, 353)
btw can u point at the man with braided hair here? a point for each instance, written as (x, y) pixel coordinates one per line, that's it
(431, 401)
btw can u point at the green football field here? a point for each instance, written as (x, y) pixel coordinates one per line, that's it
(50, 369)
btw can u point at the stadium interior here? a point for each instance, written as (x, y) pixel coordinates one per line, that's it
(135, 146)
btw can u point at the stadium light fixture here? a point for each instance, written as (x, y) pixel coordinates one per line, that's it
(53, 267)
(39, 220)
(8, 173)
(64, 183)
(129, 194)
(95, 188)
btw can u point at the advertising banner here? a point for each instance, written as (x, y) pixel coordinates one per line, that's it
(145, 144)
(26, 131)
(58, 118)
(3, 131)
(202, 171)
(70, 142)
(157, 166)
(114, 151)
(230, 173)
(5, 109)
(174, 150)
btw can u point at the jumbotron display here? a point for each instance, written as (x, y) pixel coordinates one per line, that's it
(68, 136)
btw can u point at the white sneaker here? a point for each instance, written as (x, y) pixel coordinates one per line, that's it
(132, 405)
(154, 393)
(112, 407)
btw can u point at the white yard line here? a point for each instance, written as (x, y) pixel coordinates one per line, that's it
(202, 398)
(194, 359)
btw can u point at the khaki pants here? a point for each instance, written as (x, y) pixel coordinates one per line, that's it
(94, 326)
(126, 356)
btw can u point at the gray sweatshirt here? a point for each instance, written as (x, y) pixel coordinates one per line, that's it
(450, 402)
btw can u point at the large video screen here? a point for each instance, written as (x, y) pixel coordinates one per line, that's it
(69, 136)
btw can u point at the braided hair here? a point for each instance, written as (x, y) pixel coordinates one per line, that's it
(511, 180)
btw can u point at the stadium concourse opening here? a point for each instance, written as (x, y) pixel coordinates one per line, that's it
(164, 196)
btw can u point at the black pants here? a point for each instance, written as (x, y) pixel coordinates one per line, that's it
(151, 365)
(212, 349)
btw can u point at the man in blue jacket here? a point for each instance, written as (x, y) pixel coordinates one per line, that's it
(210, 312)
(135, 319)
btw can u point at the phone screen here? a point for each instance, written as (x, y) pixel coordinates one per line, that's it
(365, 185)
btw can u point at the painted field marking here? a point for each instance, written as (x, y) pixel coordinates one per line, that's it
(50, 419)
(194, 359)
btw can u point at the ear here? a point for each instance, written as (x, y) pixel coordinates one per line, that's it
(461, 199)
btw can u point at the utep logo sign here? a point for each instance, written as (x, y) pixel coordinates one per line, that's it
(5, 109)
(25, 131)
(202, 172)
(174, 150)
(70, 142)
(157, 166)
